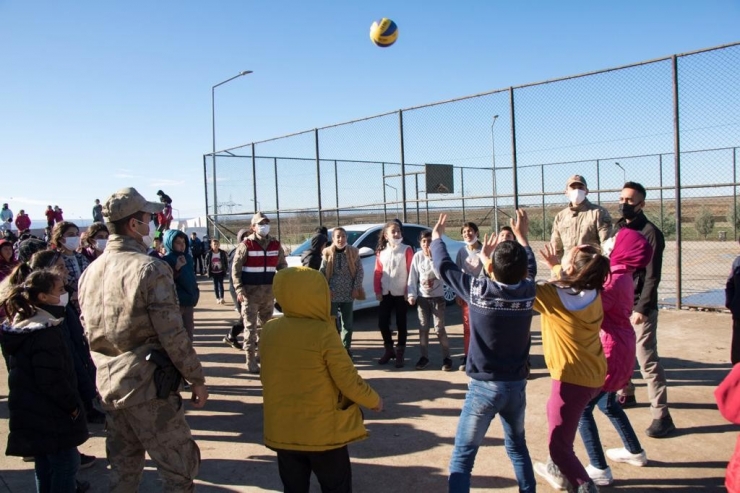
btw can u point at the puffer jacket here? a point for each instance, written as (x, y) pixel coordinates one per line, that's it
(312, 392)
(631, 252)
(186, 283)
(727, 395)
(43, 388)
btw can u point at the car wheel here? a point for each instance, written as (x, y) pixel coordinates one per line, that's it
(449, 295)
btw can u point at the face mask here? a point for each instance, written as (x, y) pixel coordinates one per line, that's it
(472, 241)
(145, 239)
(576, 196)
(395, 241)
(628, 211)
(263, 229)
(101, 244)
(72, 242)
(63, 300)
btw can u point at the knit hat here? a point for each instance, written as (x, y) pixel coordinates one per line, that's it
(28, 247)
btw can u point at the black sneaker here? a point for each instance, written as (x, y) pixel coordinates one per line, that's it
(447, 364)
(86, 461)
(422, 363)
(233, 343)
(661, 428)
(627, 401)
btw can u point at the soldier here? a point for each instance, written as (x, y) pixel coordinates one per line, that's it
(256, 260)
(130, 311)
(581, 222)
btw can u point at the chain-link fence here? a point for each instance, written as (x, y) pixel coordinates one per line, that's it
(671, 124)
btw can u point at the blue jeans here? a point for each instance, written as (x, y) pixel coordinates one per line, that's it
(607, 402)
(57, 472)
(483, 401)
(218, 286)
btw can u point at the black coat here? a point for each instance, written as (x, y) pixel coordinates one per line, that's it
(43, 392)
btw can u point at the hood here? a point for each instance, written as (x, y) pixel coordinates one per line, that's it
(318, 242)
(169, 238)
(302, 293)
(18, 330)
(631, 249)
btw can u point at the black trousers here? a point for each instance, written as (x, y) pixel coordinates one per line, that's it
(388, 304)
(332, 469)
(735, 347)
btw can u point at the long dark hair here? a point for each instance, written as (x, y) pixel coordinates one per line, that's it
(590, 269)
(382, 241)
(23, 298)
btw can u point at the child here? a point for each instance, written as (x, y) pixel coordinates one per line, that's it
(500, 316)
(177, 254)
(47, 416)
(468, 260)
(392, 264)
(631, 252)
(342, 266)
(571, 316)
(728, 402)
(312, 391)
(732, 302)
(216, 262)
(426, 291)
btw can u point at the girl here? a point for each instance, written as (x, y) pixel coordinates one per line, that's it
(342, 267)
(216, 262)
(47, 417)
(572, 314)
(469, 262)
(426, 291)
(631, 252)
(392, 264)
(177, 255)
(65, 239)
(93, 241)
(7, 259)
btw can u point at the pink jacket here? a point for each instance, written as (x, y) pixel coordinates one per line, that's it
(728, 402)
(631, 252)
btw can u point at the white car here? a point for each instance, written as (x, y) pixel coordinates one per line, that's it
(364, 237)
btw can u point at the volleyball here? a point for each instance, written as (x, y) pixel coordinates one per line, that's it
(384, 32)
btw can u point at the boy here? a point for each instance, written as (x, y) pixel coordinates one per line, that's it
(500, 317)
(732, 302)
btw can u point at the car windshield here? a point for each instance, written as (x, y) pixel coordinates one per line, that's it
(352, 237)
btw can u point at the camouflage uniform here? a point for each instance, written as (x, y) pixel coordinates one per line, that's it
(258, 299)
(584, 223)
(129, 307)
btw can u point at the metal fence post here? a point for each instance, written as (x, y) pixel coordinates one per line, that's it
(205, 189)
(254, 180)
(318, 174)
(416, 179)
(544, 210)
(677, 164)
(513, 147)
(336, 188)
(734, 191)
(385, 200)
(462, 186)
(598, 183)
(215, 201)
(662, 213)
(277, 197)
(403, 166)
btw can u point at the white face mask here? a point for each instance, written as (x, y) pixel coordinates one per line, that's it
(101, 244)
(395, 241)
(72, 242)
(472, 241)
(263, 229)
(145, 239)
(63, 300)
(576, 196)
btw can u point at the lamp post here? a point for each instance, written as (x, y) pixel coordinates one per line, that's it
(395, 190)
(493, 173)
(624, 173)
(213, 156)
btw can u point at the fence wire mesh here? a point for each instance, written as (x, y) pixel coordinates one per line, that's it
(517, 147)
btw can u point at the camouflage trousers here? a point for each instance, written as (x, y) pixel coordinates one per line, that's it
(157, 427)
(259, 304)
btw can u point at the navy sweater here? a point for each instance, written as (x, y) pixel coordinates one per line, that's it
(500, 318)
(732, 293)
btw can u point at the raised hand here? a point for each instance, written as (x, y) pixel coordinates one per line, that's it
(521, 226)
(439, 228)
(549, 256)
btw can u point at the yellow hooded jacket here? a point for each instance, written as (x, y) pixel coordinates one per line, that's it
(311, 389)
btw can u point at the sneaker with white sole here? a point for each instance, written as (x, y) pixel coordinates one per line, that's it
(600, 477)
(550, 473)
(627, 457)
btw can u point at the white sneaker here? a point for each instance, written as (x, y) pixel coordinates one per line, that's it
(600, 477)
(624, 455)
(550, 473)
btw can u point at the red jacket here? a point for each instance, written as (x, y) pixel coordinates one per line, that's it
(22, 222)
(58, 217)
(631, 252)
(728, 401)
(49, 215)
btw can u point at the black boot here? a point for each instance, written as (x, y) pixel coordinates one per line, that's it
(387, 355)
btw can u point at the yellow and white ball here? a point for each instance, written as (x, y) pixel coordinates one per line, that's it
(384, 32)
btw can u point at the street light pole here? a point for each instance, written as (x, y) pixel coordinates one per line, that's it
(624, 173)
(395, 190)
(493, 173)
(213, 136)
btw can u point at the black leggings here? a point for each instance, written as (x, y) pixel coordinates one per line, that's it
(387, 305)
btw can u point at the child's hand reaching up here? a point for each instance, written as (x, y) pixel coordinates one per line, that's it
(549, 256)
(439, 228)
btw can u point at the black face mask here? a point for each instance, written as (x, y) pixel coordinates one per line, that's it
(628, 211)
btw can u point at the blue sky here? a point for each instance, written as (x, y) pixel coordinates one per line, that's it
(101, 95)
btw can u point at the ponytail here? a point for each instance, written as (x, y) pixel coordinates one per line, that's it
(19, 274)
(22, 299)
(590, 269)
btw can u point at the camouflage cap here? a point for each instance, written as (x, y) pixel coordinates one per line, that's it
(258, 218)
(126, 202)
(576, 179)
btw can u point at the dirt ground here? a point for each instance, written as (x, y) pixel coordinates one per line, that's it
(411, 441)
